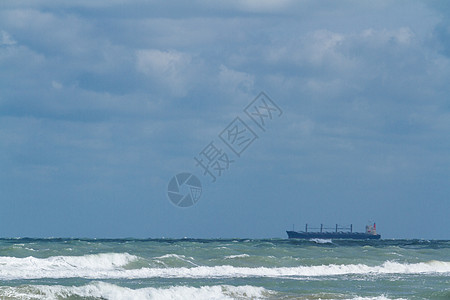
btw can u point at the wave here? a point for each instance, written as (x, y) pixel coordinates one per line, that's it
(322, 241)
(376, 298)
(63, 266)
(172, 255)
(175, 257)
(236, 256)
(103, 290)
(117, 265)
(101, 260)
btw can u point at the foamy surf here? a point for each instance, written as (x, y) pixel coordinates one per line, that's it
(175, 258)
(382, 297)
(236, 256)
(322, 241)
(222, 269)
(103, 290)
(92, 261)
(114, 266)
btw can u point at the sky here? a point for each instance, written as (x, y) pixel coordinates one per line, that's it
(103, 102)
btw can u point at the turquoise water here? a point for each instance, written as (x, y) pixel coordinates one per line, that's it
(223, 269)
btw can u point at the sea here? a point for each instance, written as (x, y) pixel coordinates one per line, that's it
(198, 269)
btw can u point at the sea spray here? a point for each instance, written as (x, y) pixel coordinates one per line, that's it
(223, 269)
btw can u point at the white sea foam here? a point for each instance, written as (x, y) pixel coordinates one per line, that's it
(237, 256)
(104, 290)
(322, 241)
(173, 255)
(63, 266)
(113, 265)
(382, 297)
(177, 257)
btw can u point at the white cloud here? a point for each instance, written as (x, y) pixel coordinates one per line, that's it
(403, 35)
(235, 81)
(322, 45)
(170, 68)
(262, 5)
(5, 39)
(318, 48)
(56, 85)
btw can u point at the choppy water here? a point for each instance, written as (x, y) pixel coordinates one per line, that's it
(223, 269)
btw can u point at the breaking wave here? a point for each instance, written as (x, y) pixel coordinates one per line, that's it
(376, 298)
(322, 241)
(237, 256)
(103, 290)
(117, 265)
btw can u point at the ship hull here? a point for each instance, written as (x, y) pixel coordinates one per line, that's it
(332, 235)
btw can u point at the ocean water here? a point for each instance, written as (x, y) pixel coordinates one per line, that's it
(223, 269)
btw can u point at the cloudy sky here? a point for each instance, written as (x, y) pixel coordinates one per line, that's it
(102, 102)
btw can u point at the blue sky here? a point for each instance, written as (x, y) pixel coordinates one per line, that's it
(101, 103)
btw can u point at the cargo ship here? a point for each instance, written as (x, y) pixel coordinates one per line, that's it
(339, 232)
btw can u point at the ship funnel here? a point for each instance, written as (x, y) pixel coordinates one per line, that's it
(371, 229)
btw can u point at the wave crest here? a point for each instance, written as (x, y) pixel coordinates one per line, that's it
(103, 290)
(113, 266)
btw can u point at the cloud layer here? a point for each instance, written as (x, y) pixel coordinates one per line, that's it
(102, 102)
